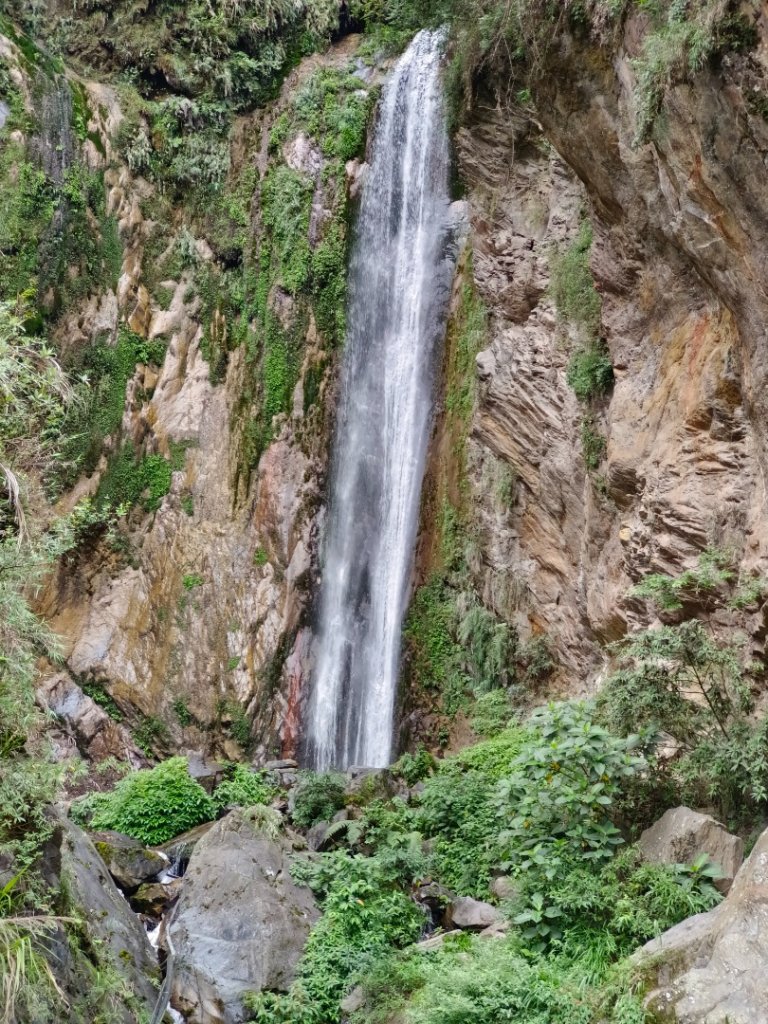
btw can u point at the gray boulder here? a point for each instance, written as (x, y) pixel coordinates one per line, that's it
(240, 924)
(110, 939)
(465, 912)
(712, 968)
(681, 835)
(127, 860)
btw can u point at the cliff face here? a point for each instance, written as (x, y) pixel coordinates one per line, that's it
(197, 622)
(678, 260)
(191, 620)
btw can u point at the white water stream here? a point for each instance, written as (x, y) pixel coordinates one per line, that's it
(399, 281)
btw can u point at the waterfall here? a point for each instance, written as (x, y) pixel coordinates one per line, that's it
(399, 281)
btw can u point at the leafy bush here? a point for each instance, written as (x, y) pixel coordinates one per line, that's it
(556, 799)
(712, 572)
(154, 805)
(242, 787)
(458, 813)
(364, 916)
(590, 372)
(317, 798)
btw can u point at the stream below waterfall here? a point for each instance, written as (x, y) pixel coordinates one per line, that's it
(399, 282)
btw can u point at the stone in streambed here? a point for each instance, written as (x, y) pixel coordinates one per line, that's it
(474, 915)
(127, 860)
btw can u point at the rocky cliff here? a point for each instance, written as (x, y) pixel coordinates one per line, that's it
(677, 456)
(195, 625)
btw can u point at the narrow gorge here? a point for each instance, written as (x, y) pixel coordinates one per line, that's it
(383, 541)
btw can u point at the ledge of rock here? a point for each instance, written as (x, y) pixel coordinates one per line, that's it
(127, 860)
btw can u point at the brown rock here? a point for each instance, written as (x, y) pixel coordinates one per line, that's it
(681, 835)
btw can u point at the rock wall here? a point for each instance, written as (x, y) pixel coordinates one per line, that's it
(678, 259)
(200, 628)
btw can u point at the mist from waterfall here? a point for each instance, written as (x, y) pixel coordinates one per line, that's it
(399, 282)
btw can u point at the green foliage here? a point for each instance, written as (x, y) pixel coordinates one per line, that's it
(602, 916)
(154, 805)
(713, 571)
(491, 713)
(242, 787)
(557, 798)
(34, 397)
(413, 768)
(95, 690)
(459, 815)
(317, 798)
(593, 444)
(150, 733)
(192, 580)
(573, 288)
(182, 712)
(129, 479)
(235, 721)
(684, 37)
(590, 372)
(430, 633)
(105, 371)
(365, 915)
(684, 681)
(470, 334)
(286, 200)
(334, 106)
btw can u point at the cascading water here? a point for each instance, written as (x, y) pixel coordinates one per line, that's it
(399, 281)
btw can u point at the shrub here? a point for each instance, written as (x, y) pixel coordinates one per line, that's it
(593, 444)
(712, 572)
(364, 917)
(556, 799)
(491, 713)
(683, 681)
(242, 787)
(318, 797)
(154, 805)
(590, 372)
